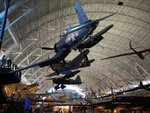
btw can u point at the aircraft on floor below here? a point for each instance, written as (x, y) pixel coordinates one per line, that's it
(32, 87)
(76, 38)
(138, 53)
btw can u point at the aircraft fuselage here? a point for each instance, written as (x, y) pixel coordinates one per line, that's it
(72, 37)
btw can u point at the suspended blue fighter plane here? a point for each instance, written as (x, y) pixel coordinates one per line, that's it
(78, 37)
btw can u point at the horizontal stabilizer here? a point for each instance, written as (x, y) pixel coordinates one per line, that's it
(104, 30)
(77, 60)
(86, 63)
(78, 79)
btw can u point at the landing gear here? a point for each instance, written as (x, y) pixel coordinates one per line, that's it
(56, 87)
(63, 86)
(86, 58)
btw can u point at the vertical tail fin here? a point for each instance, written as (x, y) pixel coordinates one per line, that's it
(141, 84)
(80, 13)
(78, 79)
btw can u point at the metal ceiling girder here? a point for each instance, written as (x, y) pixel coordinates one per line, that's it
(3, 20)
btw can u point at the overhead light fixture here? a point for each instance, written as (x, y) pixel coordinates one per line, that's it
(120, 3)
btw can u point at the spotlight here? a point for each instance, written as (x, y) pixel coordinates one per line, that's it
(120, 3)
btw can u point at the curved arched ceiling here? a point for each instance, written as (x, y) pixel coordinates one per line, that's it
(45, 20)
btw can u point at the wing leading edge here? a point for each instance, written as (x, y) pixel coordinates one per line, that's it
(57, 58)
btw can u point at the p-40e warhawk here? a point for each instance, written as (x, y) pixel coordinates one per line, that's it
(78, 37)
(138, 53)
(79, 61)
(65, 80)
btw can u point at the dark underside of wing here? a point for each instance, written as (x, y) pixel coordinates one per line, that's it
(125, 54)
(120, 55)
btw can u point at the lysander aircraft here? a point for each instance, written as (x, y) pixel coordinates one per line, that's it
(76, 38)
(138, 53)
(65, 80)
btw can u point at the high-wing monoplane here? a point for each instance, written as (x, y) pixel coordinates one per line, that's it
(138, 53)
(76, 38)
(65, 80)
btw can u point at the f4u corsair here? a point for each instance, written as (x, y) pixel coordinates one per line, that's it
(78, 37)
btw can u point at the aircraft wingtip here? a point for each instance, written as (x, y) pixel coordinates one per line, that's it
(77, 4)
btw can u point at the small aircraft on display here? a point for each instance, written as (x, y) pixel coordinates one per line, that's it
(138, 53)
(23, 87)
(65, 80)
(76, 38)
(32, 87)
